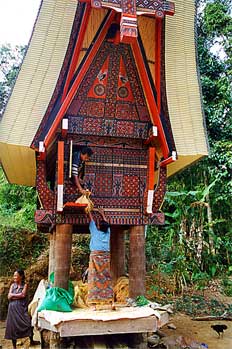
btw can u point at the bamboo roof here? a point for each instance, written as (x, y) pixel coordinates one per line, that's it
(34, 87)
(182, 84)
(41, 68)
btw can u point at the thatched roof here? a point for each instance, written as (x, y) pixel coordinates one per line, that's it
(41, 69)
(182, 83)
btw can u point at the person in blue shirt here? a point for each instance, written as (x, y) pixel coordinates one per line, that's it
(100, 290)
(80, 156)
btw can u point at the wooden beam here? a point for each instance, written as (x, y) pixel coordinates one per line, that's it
(151, 181)
(52, 248)
(137, 261)
(60, 176)
(154, 113)
(169, 160)
(117, 253)
(151, 178)
(64, 129)
(77, 49)
(158, 31)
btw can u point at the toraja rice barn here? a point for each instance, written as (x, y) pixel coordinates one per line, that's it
(120, 77)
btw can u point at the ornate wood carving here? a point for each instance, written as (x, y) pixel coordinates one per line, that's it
(46, 196)
(130, 9)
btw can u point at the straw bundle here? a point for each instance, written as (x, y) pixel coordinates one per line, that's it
(121, 289)
(80, 294)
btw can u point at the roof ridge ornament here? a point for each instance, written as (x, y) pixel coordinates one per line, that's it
(130, 9)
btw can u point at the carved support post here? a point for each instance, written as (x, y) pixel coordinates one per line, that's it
(117, 254)
(52, 248)
(137, 261)
(63, 254)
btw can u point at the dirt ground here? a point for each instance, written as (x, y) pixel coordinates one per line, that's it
(21, 343)
(200, 331)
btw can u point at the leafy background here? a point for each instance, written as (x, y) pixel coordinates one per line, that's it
(195, 245)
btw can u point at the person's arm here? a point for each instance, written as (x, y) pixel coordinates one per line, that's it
(17, 295)
(102, 213)
(90, 216)
(78, 184)
(10, 292)
(75, 171)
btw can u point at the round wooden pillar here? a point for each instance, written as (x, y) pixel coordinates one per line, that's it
(63, 252)
(117, 253)
(137, 261)
(52, 248)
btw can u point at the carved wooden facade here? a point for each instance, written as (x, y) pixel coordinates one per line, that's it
(118, 76)
(110, 102)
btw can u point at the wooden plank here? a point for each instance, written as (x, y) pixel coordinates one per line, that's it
(92, 327)
(45, 325)
(87, 327)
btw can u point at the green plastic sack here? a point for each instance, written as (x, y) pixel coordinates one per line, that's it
(141, 301)
(57, 299)
(70, 285)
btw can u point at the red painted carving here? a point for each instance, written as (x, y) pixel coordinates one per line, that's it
(46, 196)
(160, 189)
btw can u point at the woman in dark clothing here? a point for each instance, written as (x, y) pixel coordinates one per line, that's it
(18, 322)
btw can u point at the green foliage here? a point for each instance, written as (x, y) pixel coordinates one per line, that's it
(200, 306)
(141, 301)
(227, 286)
(10, 61)
(19, 245)
(19, 248)
(195, 243)
(17, 205)
(80, 254)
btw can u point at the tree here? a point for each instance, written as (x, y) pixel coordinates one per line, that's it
(214, 30)
(198, 206)
(10, 61)
(17, 203)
